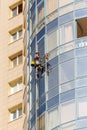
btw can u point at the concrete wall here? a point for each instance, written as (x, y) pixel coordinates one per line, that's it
(7, 75)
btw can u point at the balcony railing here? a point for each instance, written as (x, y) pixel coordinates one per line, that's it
(81, 42)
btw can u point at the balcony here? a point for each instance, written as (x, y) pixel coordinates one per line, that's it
(81, 42)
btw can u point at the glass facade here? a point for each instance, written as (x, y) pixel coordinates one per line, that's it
(58, 100)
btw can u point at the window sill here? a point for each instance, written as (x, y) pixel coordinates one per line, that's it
(16, 66)
(16, 119)
(15, 40)
(15, 16)
(15, 93)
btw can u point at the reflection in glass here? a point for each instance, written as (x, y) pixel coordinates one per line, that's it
(82, 105)
(81, 82)
(66, 33)
(53, 118)
(67, 111)
(81, 66)
(67, 86)
(66, 71)
(41, 11)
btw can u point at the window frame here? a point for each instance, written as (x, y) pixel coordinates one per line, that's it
(17, 58)
(16, 86)
(63, 31)
(17, 34)
(17, 9)
(15, 110)
(14, 11)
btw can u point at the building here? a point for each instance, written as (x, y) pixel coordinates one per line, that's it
(43, 57)
(12, 65)
(58, 96)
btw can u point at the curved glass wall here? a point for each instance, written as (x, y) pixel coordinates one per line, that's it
(58, 101)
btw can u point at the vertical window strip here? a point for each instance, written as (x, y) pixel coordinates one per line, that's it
(40, 11)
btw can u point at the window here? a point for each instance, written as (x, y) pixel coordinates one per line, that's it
(16, 10)
(53, 75)
(19, 8)
(67, 86)
(15, 86)
(66, 71)
(16, 60)
(82, 105)
(82, 92)
(63, 3)
(81, 66)
(15, 35)
(41, 123)
(15, 113)
(19, 33)
(51, 6)
(66, 9)
(69, 126)
(40, 11)
(67, 108)
(33, 17)
(19, 59)
(80, 4)
(81, 82)
(53, 120)
(19, 112)
(51, 40)
(66, 33)
(81, 27)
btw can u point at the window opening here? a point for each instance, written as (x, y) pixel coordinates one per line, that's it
(81, 27)
(16, 60)
(16, 10)
(15, 113)
(20, 8)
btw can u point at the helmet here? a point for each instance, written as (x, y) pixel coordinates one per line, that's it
(33, 63)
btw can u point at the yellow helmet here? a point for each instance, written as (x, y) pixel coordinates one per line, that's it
(32, 63)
